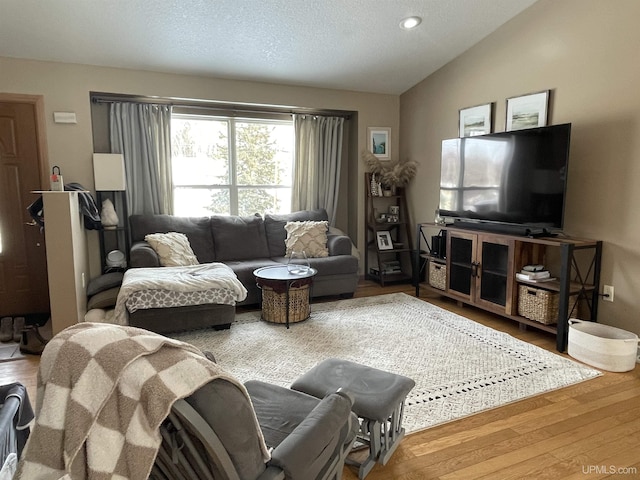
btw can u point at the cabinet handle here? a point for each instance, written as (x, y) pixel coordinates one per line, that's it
(474, 269)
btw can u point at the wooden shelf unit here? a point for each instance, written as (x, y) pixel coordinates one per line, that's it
(400, 232)
(481, 268)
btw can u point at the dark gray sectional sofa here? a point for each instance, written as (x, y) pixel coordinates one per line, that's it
(247, 243)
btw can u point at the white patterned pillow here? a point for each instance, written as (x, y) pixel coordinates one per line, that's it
(310, 237)
(173, 248)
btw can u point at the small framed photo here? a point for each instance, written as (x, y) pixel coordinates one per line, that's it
(380, 142)
(384, 240)
(527, 111)
(476, 120)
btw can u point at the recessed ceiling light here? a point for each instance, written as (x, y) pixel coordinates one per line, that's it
(410, 22)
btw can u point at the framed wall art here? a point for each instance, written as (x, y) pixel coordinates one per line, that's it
(527, 111)
(476, 120)
(380, 142)
(384, 240)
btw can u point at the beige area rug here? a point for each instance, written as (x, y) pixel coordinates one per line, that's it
(460, 367)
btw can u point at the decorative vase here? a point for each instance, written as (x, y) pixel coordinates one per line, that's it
(298, 264)
(374, 186)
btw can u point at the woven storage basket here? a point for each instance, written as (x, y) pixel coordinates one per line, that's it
(274, 305)
(438, 275)
(537, 304)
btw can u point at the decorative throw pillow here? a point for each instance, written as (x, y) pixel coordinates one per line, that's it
(173, 249)
(310, 237)
(104, 282)
(104, 299)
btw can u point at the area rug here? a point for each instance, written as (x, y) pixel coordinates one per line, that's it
(460, 367)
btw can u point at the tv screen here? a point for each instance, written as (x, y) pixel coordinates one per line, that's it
(516, 177)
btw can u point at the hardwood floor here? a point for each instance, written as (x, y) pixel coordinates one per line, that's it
(586, 431)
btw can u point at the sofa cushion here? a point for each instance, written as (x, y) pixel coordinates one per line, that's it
(239, 238)
(197, 230)
(104, 282)
(308, 237)
(104, 299)
(274, 227)
(328, 266)
(173, 249)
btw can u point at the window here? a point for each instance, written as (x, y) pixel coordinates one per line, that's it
(231, 166)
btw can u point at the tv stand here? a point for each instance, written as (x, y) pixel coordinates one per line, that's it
(480, 267)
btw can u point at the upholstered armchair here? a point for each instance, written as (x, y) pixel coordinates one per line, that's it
(212, 434)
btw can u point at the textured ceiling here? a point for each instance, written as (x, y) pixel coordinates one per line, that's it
(343, 44)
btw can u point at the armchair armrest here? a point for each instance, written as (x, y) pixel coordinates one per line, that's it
(142, 255)
(312, 444)
(338, 244)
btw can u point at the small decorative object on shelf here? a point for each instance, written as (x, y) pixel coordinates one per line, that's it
(534, 274)
(390, 175)
(116, 261)
(108, 216)
(376, 188)
(384, 240)
(57, 184)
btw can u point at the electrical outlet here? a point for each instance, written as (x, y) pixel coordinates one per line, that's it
(84, 283)
(607, 291)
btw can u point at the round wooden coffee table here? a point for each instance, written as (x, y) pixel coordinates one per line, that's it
(285, 295)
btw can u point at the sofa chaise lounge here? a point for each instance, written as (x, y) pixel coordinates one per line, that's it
(243, 243)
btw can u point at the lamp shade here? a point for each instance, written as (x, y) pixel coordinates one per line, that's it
(108, 171)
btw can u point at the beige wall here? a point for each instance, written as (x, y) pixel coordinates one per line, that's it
(66, 88)
(586, 52)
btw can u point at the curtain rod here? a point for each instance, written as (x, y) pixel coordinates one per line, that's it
(215, 105)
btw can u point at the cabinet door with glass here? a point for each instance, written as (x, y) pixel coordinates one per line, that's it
(494, 272)
(479, 269)
(461, 264)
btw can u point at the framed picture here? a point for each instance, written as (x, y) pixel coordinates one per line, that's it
(475, 120)
(384, 240)
(527, 111)
(380, 142)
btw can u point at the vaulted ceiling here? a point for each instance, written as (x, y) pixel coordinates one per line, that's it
(343, 44)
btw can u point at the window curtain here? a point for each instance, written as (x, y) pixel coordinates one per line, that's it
(318, 156)
(141, 132)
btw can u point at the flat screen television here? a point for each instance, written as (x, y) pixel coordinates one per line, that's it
(516, 178)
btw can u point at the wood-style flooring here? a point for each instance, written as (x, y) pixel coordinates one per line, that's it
(586, 431)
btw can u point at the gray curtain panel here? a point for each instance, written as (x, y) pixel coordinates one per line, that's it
(318, 155)
(141, 132)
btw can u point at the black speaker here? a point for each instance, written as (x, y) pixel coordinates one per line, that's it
(439, 245)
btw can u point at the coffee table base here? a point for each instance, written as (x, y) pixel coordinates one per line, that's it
(274, 304)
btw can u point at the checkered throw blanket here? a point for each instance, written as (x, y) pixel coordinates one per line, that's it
(103, 391)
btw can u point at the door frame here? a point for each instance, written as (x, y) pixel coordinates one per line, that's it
(43, 155)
